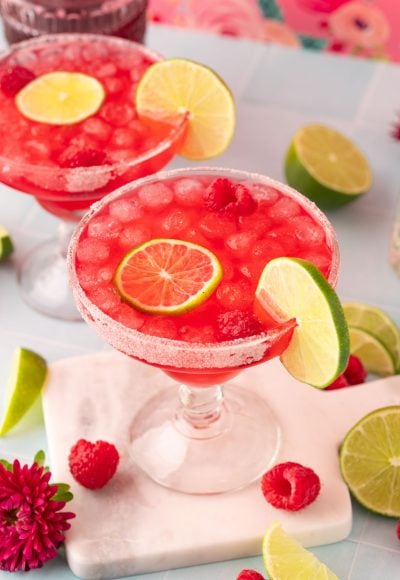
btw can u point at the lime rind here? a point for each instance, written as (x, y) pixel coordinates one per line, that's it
(285, 557)
(27, 377)
(192, 302)
(375, 357)
(176, 86)
(6, 245)
(374, 320)
(370, 461)
(319, 348)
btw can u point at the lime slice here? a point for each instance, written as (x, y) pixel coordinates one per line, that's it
(60, 98)
(176, 87)
(375, 321)
(27, 378)
(6, 245)
(166, 276)
(326, 166)
(319, 347)
(370, 461)
(372, 353)
(285, 558)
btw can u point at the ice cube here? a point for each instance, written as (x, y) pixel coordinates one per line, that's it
(106, 298)
(108, 69)
(104, 227)
(307, 231)
(133, 235)
(126, 210)
(92, 250)
(97, 128)
(159, 326)
(155, 196)
(235, 295)
(117, 114)
(125, 138)
(189, 191)
(174, 221)
(129, 317)
(240, 243)
(284, 209)
(201, 334)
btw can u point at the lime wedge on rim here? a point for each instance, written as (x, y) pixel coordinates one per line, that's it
(370, 461)
(372, 352)
(6, 245)
(167, 276)
(28, 374)
(285, 558)
(326, 166)
(174, 87)
(319, 348)
(375, 321)
(60, 98)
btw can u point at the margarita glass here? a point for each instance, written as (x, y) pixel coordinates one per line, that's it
(25, 19)
(202, 441)
(68, 166)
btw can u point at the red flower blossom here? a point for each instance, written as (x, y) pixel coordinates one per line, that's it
(32, 524)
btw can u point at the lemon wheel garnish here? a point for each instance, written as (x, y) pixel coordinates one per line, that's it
(60, 98)
(175, 87)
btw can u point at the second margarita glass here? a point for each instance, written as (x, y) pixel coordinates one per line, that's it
(201, 441)
(68, 166)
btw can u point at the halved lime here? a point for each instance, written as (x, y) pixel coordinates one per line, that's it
(375, 321)
(286, 559)
(167, 276)
(28, 375)
(326, 166)
(60, 98)
(174, 87)
(370, 461)
(319, 348)
(371, 351)
(6, 245)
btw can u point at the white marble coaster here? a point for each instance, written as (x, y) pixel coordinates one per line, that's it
(134, 526)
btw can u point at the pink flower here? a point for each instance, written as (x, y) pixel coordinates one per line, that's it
(163, 11)
(229, 17)
(280, 33)
(359, 25)
(32, 524)
(321, 5)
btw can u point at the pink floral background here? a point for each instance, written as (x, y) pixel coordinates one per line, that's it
(364, 28)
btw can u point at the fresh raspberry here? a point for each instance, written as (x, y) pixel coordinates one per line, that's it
(229, 198)
(93, 464)
(14, 79)
(249, 575)
(290, 486)
(354, 374)
(237, 324)
(85, 158)
(398, 529)
(338, 383)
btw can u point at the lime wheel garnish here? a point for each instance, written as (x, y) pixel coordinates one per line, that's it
(370, 461)
(177, 87)
(60, 98)
(167, 276)
(319, 348)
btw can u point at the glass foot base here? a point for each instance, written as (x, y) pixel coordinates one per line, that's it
(43, 282)
(228, 455)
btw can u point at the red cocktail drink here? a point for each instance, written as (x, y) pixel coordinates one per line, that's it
(223, 335)
(67, 166)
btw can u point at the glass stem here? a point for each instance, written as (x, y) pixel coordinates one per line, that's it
(64, 233)
(200, 414)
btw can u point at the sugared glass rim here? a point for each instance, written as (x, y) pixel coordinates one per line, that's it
(97, 170)
(128, 335)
